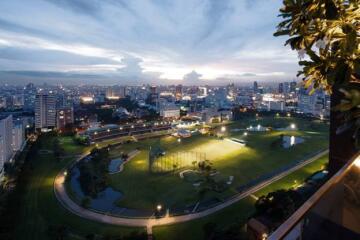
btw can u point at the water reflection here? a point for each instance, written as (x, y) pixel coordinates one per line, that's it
(105, 200)
(289, 141)
(115, 165)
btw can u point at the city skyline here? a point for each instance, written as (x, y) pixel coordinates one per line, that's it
(167, 42)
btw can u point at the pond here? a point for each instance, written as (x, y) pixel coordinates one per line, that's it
(319, 175)
(105, 200)
(115, 165)
(289, 141)
(257, 128)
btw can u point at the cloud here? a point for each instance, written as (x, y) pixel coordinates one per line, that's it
(192, 78)
(156, 40)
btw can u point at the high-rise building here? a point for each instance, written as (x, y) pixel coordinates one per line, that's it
(6, 148)
(316, 104)
(293, 86)
(178, 92)
(18, 100)
(45, 111)
(286, 87)
(256, 87)
(64, 116)
(18, 134)
(154, 96)
(115, 92)
(281, 88)
(231, 92)
(202, 91)
(29, 97)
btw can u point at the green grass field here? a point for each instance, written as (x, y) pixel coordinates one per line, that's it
(238, 213)
(40, 208)
(144, 190)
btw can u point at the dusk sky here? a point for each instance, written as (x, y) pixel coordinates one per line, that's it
(142, 41)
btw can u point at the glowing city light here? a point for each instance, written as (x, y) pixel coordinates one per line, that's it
(292, 140)
(264, 236)
(245, 133)
(158, 207)
(289, 115)
(65, 173)
(292, 126)
(223, 129)
(179, 140)
(357, 162)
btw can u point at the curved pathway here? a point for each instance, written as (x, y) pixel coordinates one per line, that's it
(69, 204)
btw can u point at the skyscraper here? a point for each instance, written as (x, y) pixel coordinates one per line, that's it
(154, 96)
(256, 87)
(18, 134)
(64, 116)
(231, 92)
(45, 111)
(293, 86)
(6, 148)
(281, 87)
(178, 92)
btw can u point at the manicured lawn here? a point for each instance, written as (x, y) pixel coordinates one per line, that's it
(144, 190)
(40, 208)
(296, 178)
(238, 212)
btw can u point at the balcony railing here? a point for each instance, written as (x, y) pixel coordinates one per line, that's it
(333, 212)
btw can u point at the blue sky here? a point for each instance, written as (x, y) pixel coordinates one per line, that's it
(139, 41)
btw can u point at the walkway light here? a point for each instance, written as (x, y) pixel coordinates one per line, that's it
(65, 173)
(264, 236)
(179, 140)
(289, 115)
(223, 129)
(293, 126)
(245, 133)
(357, 162)
(158, 207)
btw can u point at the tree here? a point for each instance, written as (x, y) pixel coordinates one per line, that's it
(174, 167)
(327, 32)
(278, 205)
(194, 163)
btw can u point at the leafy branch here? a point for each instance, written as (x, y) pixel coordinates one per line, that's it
(326, 35)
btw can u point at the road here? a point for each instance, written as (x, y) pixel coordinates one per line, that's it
(60, 193)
